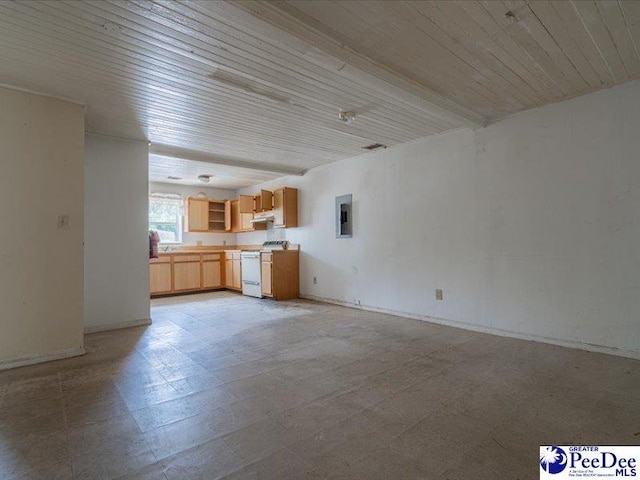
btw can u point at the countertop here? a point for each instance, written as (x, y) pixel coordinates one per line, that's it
(220, 249)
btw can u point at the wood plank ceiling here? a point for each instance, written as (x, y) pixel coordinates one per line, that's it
(261, 83)
(493, 57)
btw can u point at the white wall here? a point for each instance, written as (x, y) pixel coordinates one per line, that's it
(192, 191)
(116, 265)
(41, 177)
(530, 226)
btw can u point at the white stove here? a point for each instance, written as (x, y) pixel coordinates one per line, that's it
(251, 267)
(269, 246)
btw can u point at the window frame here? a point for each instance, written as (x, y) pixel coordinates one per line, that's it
(171, 198)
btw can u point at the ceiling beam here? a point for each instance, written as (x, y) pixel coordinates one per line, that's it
(293, 30)
(185, 154)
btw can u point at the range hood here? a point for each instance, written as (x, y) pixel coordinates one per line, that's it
(263, 217)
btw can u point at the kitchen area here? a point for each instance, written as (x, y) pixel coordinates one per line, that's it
(267, 270)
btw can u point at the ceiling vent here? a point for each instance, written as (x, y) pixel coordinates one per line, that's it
(374, 146)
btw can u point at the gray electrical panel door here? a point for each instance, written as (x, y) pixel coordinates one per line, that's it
(344, 216)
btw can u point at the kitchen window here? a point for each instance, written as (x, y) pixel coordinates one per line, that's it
(165, 217)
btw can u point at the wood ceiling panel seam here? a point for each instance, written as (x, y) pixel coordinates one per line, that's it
(573, 23)
(527, 23)
(631, 11)
(536, 55)
(594, 24)
(474, 56)
(615, 24)
(513, 52)
(548, 17)
(632, 20)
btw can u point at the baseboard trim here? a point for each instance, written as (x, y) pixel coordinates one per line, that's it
(482, 329)
(48, 357)
(117, 326)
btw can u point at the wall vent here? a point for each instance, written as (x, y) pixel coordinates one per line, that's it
(374, 146)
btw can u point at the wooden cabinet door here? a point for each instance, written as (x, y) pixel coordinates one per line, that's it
(236, 222)
(245, 203)
(227, 216)
(186, 276)
(278, 208)
(228, 273)
(267, 284)
(266, 200)
(246, 221)
(211, 274)
(237, 274)
(159, 278)
(197, 215)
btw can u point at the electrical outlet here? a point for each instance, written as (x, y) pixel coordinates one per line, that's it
(224, 242)
(315, 280)
(199, 243)
(439, 294)
(63, 222)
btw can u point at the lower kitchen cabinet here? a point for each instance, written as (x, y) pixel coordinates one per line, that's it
(266, 276)
(178, 273)
(160, 276)
(187, 273)
(192, 272)
(233, 269)
(280, 274)
(211, 271)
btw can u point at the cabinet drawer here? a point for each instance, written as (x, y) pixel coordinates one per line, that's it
(267, 257)
(210, 256)
(163, 259)
(186, 258)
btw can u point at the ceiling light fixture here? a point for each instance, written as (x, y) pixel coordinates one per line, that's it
(204, 178)
(347, 116)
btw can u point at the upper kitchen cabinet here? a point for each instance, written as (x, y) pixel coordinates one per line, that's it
(217, 216)
(242, 222)
(246, 204)
(196, 211)
(285, 207)
(263, 201)
(206, 215)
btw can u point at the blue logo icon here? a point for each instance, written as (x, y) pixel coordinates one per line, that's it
(553, 459)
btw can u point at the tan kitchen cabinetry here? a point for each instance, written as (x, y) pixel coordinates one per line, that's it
(187, 272)
(280, 274)
(285, 207)
(233, 269)
(206, 215)
(160, 277)
(211, 271)
(241, 222)
(196, 212)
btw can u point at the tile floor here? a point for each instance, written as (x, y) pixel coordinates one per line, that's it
(226, 386)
